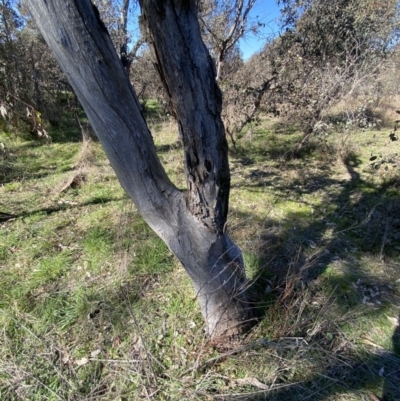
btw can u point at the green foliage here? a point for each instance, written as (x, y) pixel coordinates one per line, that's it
(330, 51)
(326, 30)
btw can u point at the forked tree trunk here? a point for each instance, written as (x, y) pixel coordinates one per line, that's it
(191, 223)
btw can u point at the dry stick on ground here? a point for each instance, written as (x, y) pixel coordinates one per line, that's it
(79, 175)
(253, 393)
(152, 378)
(284, 342)
(381, 255)
(363, 223)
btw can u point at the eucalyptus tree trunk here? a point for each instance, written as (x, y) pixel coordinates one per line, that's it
(191, 223)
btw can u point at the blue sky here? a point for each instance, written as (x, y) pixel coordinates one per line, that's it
(266, 12)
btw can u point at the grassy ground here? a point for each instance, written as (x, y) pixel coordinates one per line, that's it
(94, 307)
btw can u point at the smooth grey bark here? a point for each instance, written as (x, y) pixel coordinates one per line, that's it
(191, 223)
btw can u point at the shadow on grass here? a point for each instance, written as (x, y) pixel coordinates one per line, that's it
(99, 200)
(68, 129)
(358, 214)
(356, 218)
(166, 148)
(31, 160)
(359, 374)
(261, 143)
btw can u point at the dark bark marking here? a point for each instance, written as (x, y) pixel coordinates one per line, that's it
(65, 41)
(99, 20)
(208, 165)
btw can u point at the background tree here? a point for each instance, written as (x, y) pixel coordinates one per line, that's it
(32, 86)
(244, 92)
(328, 50)
(117, 15)
(192, 223)
(223, 23)
(10, 47)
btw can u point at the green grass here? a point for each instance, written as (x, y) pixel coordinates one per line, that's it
(93, 306)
